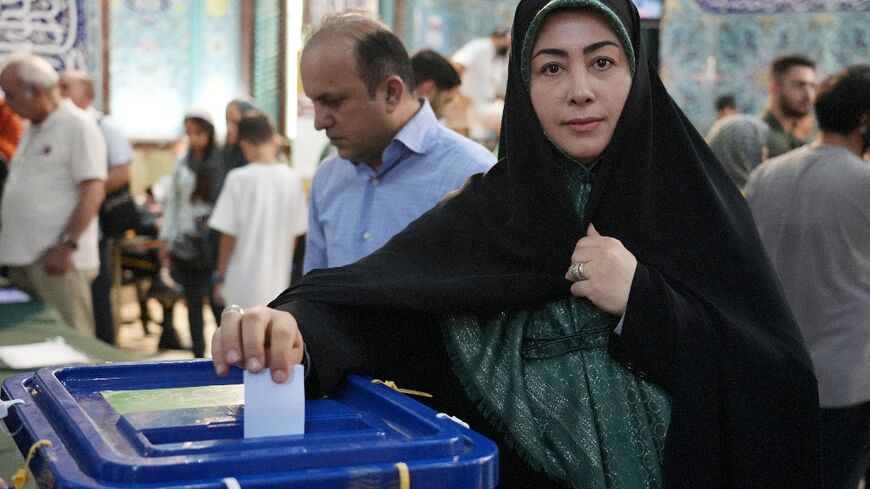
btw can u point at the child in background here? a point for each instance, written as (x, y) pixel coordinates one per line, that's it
(259, 213)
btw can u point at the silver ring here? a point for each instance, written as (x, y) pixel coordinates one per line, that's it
(234, 308)
(575, 273)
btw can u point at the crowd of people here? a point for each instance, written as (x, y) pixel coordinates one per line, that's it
(58, 249)
(617, 301)
(742, 141)
(802, 164)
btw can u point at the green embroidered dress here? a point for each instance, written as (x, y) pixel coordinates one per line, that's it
(545, 378)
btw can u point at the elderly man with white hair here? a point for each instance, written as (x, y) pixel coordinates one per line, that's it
(48, 236)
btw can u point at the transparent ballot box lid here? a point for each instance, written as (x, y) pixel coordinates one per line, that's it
(176, 424)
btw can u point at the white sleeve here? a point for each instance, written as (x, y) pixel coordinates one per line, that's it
(618, 328)
(87, 151)
(223, 218)
(118, 147)
(468, 54)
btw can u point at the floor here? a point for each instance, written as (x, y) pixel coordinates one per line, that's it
(131, 335)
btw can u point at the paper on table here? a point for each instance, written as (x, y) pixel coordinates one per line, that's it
(53, 351)
(11, 295)
(273, 409)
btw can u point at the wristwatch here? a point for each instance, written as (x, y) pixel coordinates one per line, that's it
(67, 240)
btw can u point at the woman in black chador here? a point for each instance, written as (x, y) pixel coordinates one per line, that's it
(598, 302)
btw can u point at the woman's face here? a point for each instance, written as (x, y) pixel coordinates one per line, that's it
(197, 135)
(579, 81)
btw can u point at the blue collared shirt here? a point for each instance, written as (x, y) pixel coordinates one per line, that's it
(354, 210)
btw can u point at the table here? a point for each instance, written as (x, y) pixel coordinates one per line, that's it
(33, 322)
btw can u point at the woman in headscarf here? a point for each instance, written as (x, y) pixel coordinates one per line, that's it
(190, 247)
(739, 141)
(669, 359)
(231, 156)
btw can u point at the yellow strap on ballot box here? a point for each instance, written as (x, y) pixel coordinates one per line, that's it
(20, 477)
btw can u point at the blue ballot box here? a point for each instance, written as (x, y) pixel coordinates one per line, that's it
(176, 424)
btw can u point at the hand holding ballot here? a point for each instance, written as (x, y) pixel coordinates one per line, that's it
(255, 339)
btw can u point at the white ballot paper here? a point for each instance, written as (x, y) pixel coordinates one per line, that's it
(273, 409)
(11, 295)
(53, 351)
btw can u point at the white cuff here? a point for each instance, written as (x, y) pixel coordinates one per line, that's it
(618, 328)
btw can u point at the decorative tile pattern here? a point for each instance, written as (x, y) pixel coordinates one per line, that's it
(776, 6)
(705, 53)
(167, 55)
(54, 29)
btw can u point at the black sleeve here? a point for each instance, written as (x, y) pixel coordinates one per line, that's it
(662, 329)
(401, 346)
(333, 345)
(667, 338)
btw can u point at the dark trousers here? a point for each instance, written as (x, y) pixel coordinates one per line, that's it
(101, 291)
(844, 445)
(197, 285)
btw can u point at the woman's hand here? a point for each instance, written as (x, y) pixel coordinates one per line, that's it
(257, 338)
(608, 270)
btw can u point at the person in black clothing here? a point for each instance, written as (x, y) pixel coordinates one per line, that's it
(666, 356)
(231, 156)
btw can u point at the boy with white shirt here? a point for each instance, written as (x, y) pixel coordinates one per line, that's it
(259, 213)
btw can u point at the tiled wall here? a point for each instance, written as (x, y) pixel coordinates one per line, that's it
(170, 54)
(714, 47)
(62, 31)
(445, 25)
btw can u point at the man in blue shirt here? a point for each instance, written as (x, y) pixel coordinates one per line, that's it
(394, 160)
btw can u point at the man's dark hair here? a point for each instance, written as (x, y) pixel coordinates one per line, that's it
(256, 128)
(429, 65)
(726, 102)
(379, 53)
(843, 98)
(782, 64)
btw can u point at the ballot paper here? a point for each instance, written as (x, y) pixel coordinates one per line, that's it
(53, 351)
(273, 409)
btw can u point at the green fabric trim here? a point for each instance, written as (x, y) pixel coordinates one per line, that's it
(612, 19)
(545, 380)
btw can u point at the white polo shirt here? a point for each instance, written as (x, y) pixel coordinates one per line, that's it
(52, 159)
(485, 74)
